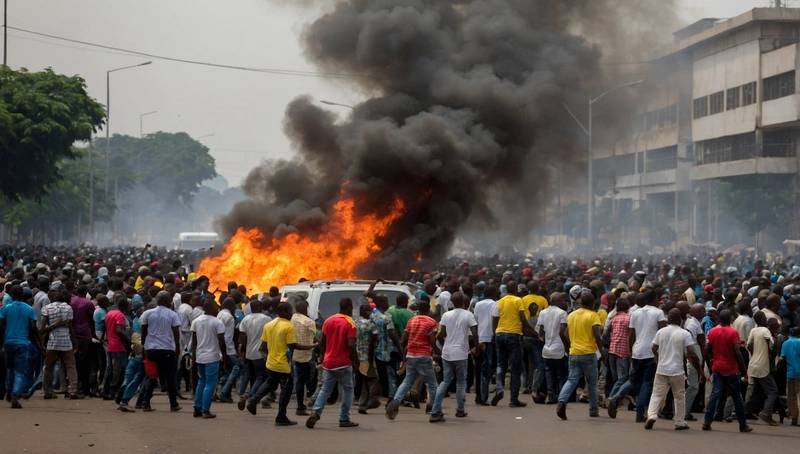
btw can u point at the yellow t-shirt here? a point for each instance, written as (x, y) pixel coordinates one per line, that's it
(538, 299)
(508, 309)
(603, 316)
(581, 336)
(278, 334)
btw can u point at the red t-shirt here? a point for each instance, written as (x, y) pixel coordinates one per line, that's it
(338, 329)
(114, 319)
(418, 330)
(724, 340)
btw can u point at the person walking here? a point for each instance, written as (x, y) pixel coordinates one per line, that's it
(484, 361)
(552, 325)
(760, 344)
(510, 319)
(118, 348)
(790, 354)
(305, 330)
(250, 331)
(161, 341)
(208, 347)
(57, 328)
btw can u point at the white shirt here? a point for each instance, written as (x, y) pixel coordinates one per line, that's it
(695, 329)
(762, 341)
(207, 328)
(483, 313)
(672, 341)
(160, 321)
(444, 301)
(185, 312)
(227, 319)
(252, 326)
(457, 323)
(645, 322)
(551, 320)
(743, 325)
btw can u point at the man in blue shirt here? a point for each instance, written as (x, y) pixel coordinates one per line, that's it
(17, 333)
(790, 352)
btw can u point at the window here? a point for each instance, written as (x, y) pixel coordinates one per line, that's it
(749, 94)
(716, 102)
(733, 98)
(778, 144)
(701, 107)
(723, 149)
(662, 159)
(779, 86)
(666, 117)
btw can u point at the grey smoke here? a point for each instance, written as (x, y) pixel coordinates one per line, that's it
(465, 108)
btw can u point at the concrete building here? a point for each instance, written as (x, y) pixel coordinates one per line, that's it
(719, 110)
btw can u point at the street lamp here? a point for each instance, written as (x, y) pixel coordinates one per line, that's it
(331, 103)
(588, 132)
(141, 119)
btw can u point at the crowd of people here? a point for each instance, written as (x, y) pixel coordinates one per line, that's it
(665, 337)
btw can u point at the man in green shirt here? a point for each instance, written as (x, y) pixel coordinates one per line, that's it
(400, 313)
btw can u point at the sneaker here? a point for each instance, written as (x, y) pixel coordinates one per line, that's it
(285, 422)
(649, 424)
(745, 429)
(561, 411)
(461, 414)
(497, 398)
(348, 424)
(124, 408)
(209, 415)
(312, 420)
(252, 406)
(594, 414)
(302, 412)
(612, 409)
(437, 418)
(392, 409)
(517, 404)
(683, 427)
(240, 405)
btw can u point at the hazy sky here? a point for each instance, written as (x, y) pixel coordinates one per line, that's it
(239, 113)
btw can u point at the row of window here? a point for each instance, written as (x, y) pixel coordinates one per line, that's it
(661, 118)
(773, 88)
(775, 144)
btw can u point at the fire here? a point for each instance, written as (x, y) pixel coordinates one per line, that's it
(258, 262)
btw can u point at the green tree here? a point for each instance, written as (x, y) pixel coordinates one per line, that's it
(757, 201)
(42, 114)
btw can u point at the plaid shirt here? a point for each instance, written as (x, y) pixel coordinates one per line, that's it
(304, 332)
(59, 339)
(620, 342)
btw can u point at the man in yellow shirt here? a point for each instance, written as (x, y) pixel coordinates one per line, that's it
(276, 339)
(584, 330)
(510, 317)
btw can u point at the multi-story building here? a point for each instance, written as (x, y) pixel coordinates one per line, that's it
(719, 113)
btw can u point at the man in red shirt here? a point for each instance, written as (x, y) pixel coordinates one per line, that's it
(119, 344)
(418, 341)
(725, 362)
(338, 345)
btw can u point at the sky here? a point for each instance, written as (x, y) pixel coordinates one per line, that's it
(237, 115)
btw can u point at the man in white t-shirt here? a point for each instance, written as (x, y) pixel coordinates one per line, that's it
(250, 330)
(234, 366)
(552, 326)
(672, 347)
(455, 329)
(484, 366)
(644, 324)
(760, 345)
(694, 376)
(208, 347)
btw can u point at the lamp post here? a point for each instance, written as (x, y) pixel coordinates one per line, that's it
(141, 121)
(5, 32)
(590, 165)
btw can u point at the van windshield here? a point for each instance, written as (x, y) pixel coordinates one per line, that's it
(329, 300)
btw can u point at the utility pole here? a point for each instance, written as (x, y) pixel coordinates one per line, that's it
(5, 32)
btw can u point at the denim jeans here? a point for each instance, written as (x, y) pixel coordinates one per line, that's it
(116, 363)
(167, 364)
(418, 367)
(457, 370)
(134, 375)
(330, 378)
(581, 366)
(556, 373)
(302, 374)
(19, 373)
(768, 391)
(642, 375)
(509, 355)
(620, 370)
(258, 368)
(733, 384)
(209, 374)
(275, 379)
(534, 364)
(484, 366)
(231, 374)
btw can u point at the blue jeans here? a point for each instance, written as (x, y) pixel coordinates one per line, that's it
(116, 365)
(620, 369)
(457, 370)
(134, 374)
(509, 355)
(206, 382)
(733, 383)
(415, 367)
(19, 373)
(234, 369)
(484, 365)
(642, 375)
(534, 364)
(581, 366)
(258, 370)
(330, 378)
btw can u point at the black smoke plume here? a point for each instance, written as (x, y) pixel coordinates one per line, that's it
(463, 118)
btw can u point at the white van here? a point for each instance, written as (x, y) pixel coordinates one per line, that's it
(195, 241)
(323, 296)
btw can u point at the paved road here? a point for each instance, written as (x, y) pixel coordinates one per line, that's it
(88, 426)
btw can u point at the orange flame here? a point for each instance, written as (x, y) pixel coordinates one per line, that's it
(347, 241)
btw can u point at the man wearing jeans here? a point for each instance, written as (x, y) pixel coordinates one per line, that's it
(207, 347)
(760, 344)
(338, 347)
(234, 366)
(250, 330)
(305, 330)
(552, 325)
(725, 361)
(161, 341)
(484, 366)
(619, 349)
(18, 323)
(119, 344)
(455, 328)
(418, 340)
(585, 338)
(509, 318)
(693, 374)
